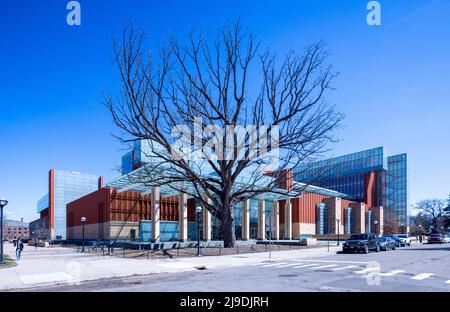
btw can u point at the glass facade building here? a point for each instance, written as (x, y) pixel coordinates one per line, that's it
(397, 189)
(369, 176)
(138, 156)
(64, 187)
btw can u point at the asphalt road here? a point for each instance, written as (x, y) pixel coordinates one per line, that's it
(417, 268)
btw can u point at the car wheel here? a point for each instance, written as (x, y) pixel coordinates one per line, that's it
(378, 248)
(366, 249)
(393, 247)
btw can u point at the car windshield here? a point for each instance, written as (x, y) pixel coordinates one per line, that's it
(403, 236)
(383, 239)
(435, 235)
(358, 237)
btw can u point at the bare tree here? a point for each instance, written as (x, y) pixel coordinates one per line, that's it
(434, 209)
(421, 223)
(204, 93)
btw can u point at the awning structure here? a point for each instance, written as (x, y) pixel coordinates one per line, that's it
(138, 181)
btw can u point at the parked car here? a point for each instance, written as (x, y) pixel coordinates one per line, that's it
(398, 241)
(387, 243)
(447, 238)
(361, 242)
(436, 239)
(405, 238)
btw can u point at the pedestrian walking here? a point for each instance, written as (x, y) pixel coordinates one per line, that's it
(19, 249)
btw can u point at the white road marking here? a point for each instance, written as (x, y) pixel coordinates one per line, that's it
(325, 266)
(273, 264)
(366, 270)
(287, 265)
(392, 273)
(345, 268)
(333, 261)
(306, 266)
(447, 282)
(422, 276)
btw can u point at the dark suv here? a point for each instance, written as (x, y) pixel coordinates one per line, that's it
(361, 242)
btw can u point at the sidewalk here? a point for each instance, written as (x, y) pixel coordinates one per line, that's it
(56, 265)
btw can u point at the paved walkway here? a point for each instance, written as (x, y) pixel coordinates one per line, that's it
(56, 265)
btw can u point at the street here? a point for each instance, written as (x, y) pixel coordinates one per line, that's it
(417, 268)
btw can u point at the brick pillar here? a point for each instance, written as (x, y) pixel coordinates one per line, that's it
(377, 214)
(359, 217)
(246, 220)
(183, 217)
(276, 218)
(334, 213)
(261, 219)
(288, 220)
(156, 214)
(206, 221)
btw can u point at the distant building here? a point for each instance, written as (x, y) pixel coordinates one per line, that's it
(15, 229)
(63, 187)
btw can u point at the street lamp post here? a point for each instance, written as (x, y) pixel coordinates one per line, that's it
(338, 220)
(83, 221)
(3, 203)
(198, 210)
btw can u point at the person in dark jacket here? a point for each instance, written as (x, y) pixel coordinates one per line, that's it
(19, 249)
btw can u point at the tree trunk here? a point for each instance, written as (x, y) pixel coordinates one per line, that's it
(227, 225)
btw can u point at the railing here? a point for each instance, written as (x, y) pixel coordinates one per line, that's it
(177, 250)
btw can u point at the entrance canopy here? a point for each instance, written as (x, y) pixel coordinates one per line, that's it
(139, 181)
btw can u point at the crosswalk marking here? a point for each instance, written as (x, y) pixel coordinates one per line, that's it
(392, 273)
(345, 268)
(422, 276)
(331, 261)
(334, 267)
(273, 264)
(306, 266)
(287, 265)
(366, 270)
(325, 266)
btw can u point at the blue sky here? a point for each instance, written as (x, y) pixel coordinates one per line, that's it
(393, 85)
